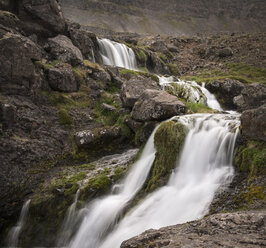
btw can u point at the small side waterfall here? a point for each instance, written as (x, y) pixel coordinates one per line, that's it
(70, 222)
(117, 54)
(14, 233)
(204, 166)
(191, 91)
(103, 213)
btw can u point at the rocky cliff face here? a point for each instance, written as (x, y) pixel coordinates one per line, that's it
(170, 17)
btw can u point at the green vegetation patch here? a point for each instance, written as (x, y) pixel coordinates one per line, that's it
(139, 73)
(64, 117)
(238, 71)
(92, 65)
(192, 108)
(251, 158)
(174, 69)
(168, 140)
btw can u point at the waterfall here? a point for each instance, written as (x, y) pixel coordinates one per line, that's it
(103, 213)
(117, 54)
(14, 233)
(70, 222)
(190, 91)
(204, 166)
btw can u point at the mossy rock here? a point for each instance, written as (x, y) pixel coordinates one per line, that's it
(168, 140)
(251, 158)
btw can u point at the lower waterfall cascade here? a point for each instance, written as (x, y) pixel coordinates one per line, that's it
(117, 54)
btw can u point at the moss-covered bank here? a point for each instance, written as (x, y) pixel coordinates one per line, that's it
(168, 140)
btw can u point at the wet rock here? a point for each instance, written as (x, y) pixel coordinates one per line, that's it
(84, 40)
(253, 123)
(146, 131)
(41, 16)
(89, 138)
(132, 89)
(252, 96)
(61, 78)
(17, 71)
(225, 52)
(226, 91)
(239, 229)
(154, 64)
(61, 48)
(156, 105)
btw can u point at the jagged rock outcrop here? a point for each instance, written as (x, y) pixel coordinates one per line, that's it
(61, 48)
(133, 88)
(17, 55)
(226, 91)
(40, 16)
(240, 229)
(253, 123)
(157, 105)
(61, 78)
(252, 96)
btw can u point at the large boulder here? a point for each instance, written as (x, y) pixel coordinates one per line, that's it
(61, 78)
(238, 229)
(90, 138)
(85, 41)
(253, 123)
(132, 90)
(226, 91)
(17, 70)
(157, 105)
(252, 96)
(41, 16)
(61, 48)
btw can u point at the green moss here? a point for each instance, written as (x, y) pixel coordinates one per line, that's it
(238, 71)
(154, 77)
(79, 74)
(118, 173)
(64, 117)
(251, 158)
(141, 56)
(88, 166)
(174, 69)
(92, 65)
(43, 65)
(96, 186)
(168, 140)
(192, 108)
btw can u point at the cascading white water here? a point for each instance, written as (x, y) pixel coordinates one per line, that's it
(205, 165)
(190, 91)
(103, 213)
(69, 223)
(14, 233)
(117, 54)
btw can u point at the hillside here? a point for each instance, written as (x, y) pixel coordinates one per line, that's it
(170, 17)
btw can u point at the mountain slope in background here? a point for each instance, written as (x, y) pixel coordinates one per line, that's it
(169, 17)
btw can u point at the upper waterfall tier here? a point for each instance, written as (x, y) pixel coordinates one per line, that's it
(117, 54)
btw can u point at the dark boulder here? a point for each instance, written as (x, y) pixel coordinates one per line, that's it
(253, 123)
(85, 41)
(61, 78)
(225, 52)
(155, 65)
(252, 96)
(157, 105)
(17, 72)
(132, 89)
(7, 115)
(159, 46)
(61, 48)
(41, 16)
(226, 91)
